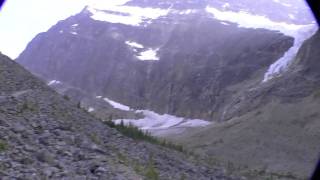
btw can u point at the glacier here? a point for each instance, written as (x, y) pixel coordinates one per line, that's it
(246, 20)
(157, 124)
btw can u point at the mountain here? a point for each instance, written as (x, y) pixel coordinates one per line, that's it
(221, 77)
(274, 126)
(199, 57)
(46, 136)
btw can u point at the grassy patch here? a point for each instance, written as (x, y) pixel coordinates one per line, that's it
(151, 173)
(29, 106)
(95, 138)
(3, 146)
(135, 133)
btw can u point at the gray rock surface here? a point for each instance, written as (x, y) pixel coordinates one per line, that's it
(44, 136)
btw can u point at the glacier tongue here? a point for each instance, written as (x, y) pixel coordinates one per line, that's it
(157, 124)
(299, 32)
(281, 65)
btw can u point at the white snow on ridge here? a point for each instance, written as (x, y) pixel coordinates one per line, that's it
(53, 82)
(112, 18)
(75, 25)
(117, 105)
(246, 20)
(135, 17)
(149, 55)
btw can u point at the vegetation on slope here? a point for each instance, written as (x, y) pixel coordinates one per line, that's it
(137, 134)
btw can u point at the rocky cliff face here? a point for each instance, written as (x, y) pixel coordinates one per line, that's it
(44, 136)
(274, 126)
(195, 59)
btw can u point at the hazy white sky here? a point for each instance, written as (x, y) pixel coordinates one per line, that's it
(22, 20)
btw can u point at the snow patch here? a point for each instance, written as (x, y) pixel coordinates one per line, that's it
(91, 109)
(195, 123)
(98, 97)
(117, 105)
(134, 44)
(154, 122)
(75, 25)
(61, 31)
(74, 33)
(53, 82)
(149, 55)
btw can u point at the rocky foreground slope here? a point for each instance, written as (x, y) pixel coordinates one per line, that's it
(44, 136)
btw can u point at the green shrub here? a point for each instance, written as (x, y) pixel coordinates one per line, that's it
(3, 146)
(95, 138)
(183, 177)
(137, 134)
(151, 172)
(29, 106)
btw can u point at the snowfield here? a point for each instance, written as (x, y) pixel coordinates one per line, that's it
(127, 15)
(157, 124)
